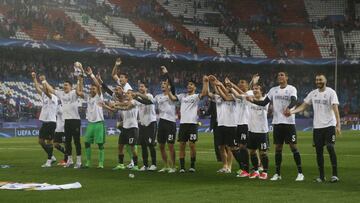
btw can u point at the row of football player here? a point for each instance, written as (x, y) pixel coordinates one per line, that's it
(242, 127)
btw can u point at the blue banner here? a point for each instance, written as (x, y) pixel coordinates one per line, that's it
(31, 128)
(62, 46)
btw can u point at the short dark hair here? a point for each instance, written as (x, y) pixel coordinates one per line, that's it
(124, 74)
(143, 83)
(68, 81)
(283, 71)
(193, 82)
(320, 74)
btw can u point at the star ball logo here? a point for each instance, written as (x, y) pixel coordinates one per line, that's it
(36, 44)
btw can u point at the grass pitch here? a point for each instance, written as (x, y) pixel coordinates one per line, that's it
(104, 185)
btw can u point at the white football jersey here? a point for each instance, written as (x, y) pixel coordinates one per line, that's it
(167, 107)
(147, 113)
(49, 108)
(322, 102)
(225, 112)
(70, 104)
(242, 110)
(94, 112)
(130, 117)
(189, 108)
(126, 87)
(60, 123)
(258, 122)
(281, 98)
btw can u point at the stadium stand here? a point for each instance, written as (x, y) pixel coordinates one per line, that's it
(210, 34)
(188, 9)
(351, 42)
(325, 39)
(247, 41)
(29, 19)
(298, 42)
(318, 9)
(71, 31)
(18, 34)
(292, 11)
(254, 28)
(125, 26)
(97, 29)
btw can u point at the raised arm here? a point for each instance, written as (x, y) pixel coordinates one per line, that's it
(116, 69)
(165, 77)
(36, 83)
(335, 108)
(205, 87)
(79, 87)
(254, 80)
(212, 80)
(46, 86)
(172, 97)
(96, 82)
(235, 90)
(104, 87)
(222, 93)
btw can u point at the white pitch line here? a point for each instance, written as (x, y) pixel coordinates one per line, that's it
(200, 152)
(288, 154)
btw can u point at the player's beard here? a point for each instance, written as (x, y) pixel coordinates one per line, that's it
(320, 85)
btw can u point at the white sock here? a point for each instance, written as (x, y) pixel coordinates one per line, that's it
(78, 159)
(70, 158)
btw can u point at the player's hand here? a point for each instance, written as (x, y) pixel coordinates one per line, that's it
(287, 112)
(205, 79)
(98, 77)
(111, 104)
(168, 87)
(338, 130)
(228, 85)
(101, 103)
(217, 83)
(88, 70)
(255, 78)
(163, 70)
(33, 75)
(42, 78)
(227, 81)
(135, 94)
(118, 62)
(212, 78)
